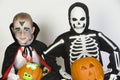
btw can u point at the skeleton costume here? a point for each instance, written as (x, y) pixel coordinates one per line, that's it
(82, 42)
(17, 55)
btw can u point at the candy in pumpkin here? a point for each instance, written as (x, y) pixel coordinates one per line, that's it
(30, 71)
(87, 68)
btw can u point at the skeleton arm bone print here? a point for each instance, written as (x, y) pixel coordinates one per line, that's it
(55, 45)
(114, 49)
(64, 74)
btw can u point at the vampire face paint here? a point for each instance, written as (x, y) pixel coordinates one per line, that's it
(22, 22)
(78, 19)
(23, 31)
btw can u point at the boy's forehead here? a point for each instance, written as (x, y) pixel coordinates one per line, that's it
(22, 22)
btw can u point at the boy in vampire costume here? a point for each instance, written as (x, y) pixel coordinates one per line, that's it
(81, 42)
(24, 49)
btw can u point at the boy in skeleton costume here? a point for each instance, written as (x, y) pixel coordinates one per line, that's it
(82, 42)
(24, 49)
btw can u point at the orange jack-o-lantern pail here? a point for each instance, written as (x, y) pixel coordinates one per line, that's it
(30, 71)
(87, 69)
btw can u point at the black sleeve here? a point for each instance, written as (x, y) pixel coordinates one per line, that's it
(55, 52)
(39, 47)
(111, 48)
(52, 76)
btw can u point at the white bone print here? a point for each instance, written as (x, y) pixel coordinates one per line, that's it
(83, 46)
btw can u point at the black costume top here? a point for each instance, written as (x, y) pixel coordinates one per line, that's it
(94, 43)
(89, 43)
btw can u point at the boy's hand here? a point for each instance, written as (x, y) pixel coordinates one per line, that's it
(65, 75)
(45, 71)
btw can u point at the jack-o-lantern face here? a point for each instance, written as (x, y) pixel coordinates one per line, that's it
(87, 69)
(30, 71)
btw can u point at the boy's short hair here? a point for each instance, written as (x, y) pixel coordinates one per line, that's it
(22, 16)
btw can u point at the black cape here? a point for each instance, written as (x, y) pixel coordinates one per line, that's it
(11, 52)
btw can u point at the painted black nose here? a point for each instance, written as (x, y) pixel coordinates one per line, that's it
(78, 23)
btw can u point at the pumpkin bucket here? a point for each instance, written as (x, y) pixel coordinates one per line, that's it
(30, 71)
(87, 69)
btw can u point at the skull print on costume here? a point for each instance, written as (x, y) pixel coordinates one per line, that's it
(78, 19)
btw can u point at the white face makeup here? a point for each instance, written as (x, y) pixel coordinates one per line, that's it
(78, 19)
(23, 31)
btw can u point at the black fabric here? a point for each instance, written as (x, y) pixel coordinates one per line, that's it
(63, 49)
(107, 77)
(9, 56)
(52, 76)
(12, 50)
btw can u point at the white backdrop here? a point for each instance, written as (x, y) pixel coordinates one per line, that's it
(52, 18)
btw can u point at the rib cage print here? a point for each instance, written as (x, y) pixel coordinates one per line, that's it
(83, 46)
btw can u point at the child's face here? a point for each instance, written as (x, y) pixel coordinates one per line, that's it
(78, 19)
(23, 31)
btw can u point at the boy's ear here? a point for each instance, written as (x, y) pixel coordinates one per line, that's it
(12, 29)
(33, 29)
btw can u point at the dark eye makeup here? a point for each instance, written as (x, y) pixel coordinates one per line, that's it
(74, 19)
(82, 19)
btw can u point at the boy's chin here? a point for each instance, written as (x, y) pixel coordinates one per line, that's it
(23, 43)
